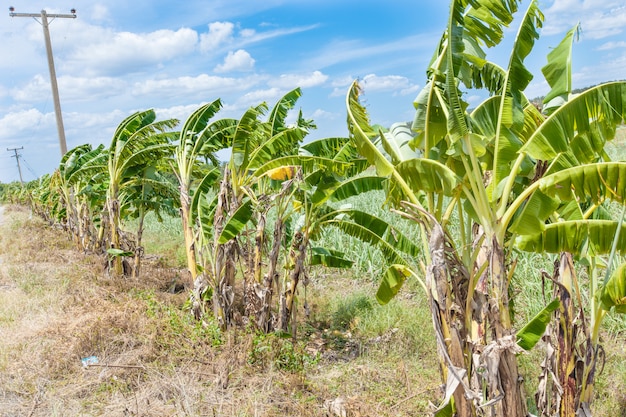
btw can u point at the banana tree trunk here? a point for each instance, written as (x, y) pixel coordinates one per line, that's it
(297, 257)
(199, 281)
(115, 243)
(103, 230)
(138, 248)
(270, 279)
(503, 380)
(224, 256)
(190, 241)
(252, 291)
(566, 338)
(470, 312)
(449, 326)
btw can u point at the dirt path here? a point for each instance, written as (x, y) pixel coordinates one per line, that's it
(1, 263)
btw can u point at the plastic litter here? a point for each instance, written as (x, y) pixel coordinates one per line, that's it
(90, 360)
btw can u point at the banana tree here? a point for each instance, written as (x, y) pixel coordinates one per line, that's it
(66, 167)
(81, 166)
(199, 138)
(255, 142)
(483, 167)
(90, 182)
(325, 173)
(138, 141)
(147, 191)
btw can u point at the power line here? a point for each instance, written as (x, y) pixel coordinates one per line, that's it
(28, 167)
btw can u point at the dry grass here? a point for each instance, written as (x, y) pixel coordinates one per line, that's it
(57, 306)
(352, 355)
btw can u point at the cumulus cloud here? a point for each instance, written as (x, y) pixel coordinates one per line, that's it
(599, 19)
(343, 81)
(321, 114)
(239, 60)
(71, 89)
(16, 123)
(290, 81)
(219, 33)
(201, 85)
(126, 52)
(255, 97)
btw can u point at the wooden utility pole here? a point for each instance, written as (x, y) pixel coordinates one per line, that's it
(17, 158)
(53, 77)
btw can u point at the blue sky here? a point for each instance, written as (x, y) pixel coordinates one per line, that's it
(118, 57)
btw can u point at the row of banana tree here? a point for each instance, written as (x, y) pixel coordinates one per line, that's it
(483, 186)
(250, 224)
(488, 184)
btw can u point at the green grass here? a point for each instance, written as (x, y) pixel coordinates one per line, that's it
(163, 238)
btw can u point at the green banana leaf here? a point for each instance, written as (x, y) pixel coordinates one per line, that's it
(391, 282)
(531, 333)
(574, 236)
(329, 258)
(558, 71)
(237, 222)
(613, 294)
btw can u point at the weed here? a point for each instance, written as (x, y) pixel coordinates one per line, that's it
(280, 353)
(349, 311)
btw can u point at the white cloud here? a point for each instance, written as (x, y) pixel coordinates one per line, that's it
(17, 123)
(255, 97)
(612, 45)
(223, 34)
(247, 33)
(202, 85)
(239, 60)
(178, 112)
(71, 89)
(396, 83)
(290, 81)
(38, 89)
(343, 81)
(321, 114)
(599, 18)
(607, 70)
(126, 52)
(219, 34)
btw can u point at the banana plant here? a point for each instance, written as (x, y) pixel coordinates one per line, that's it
(71, 163)
(199, 138)
(308, 187)
(147, 191)
(493, 169)
(89, 182)
(138, 141)
(255, 142)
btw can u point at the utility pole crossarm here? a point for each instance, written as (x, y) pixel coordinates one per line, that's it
(35, 15)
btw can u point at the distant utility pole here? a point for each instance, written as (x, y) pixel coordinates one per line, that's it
(17, 158)
(53, 77)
